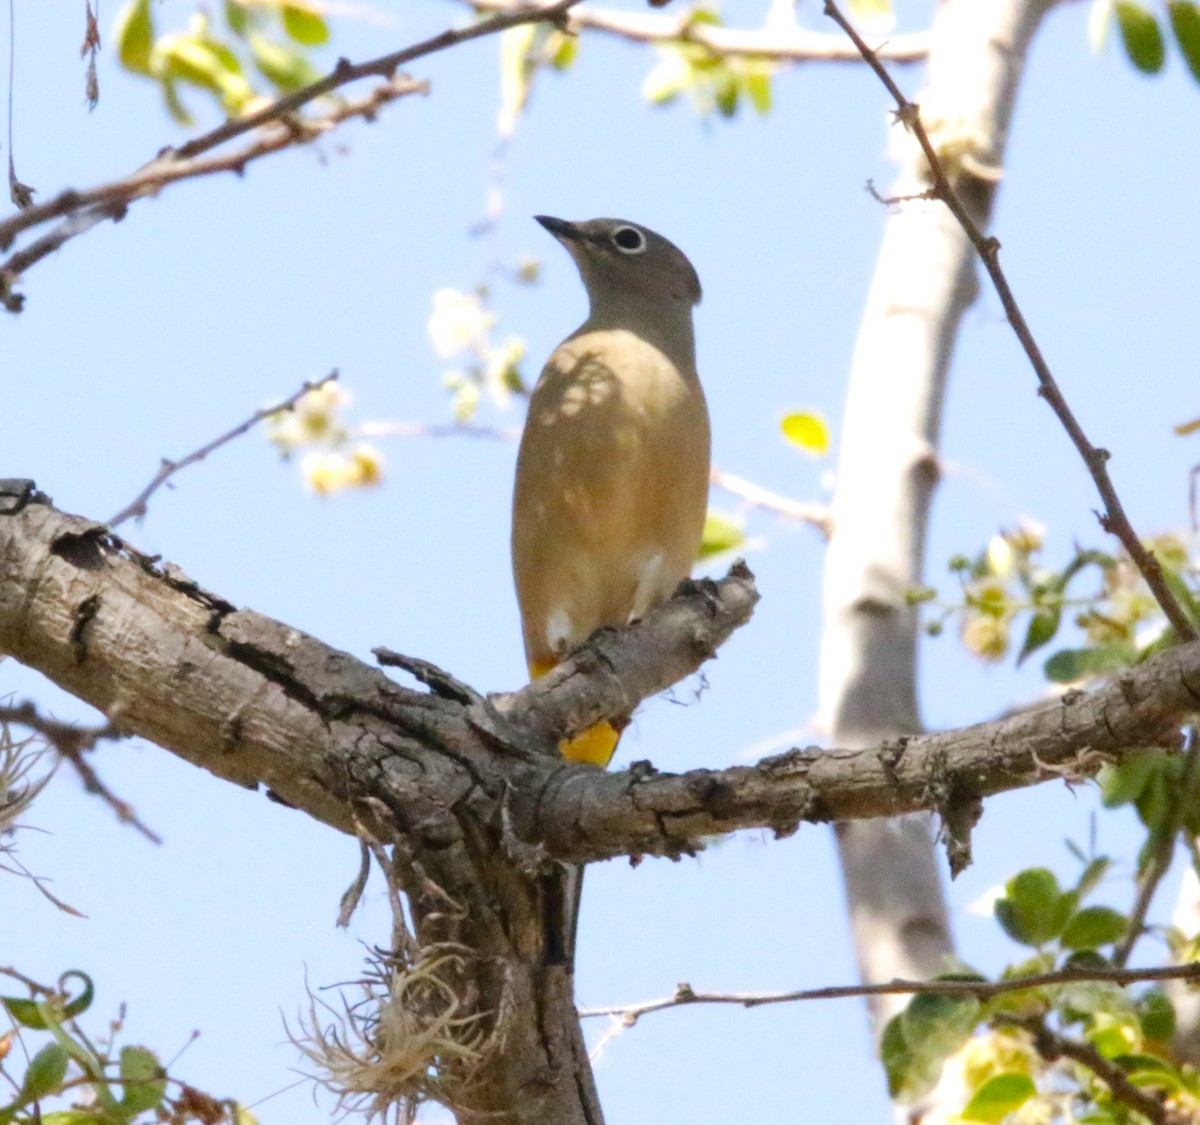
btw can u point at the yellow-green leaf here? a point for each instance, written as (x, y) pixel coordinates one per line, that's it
(998, 1097)
(144, 1078)
(1142, 37)
(283, 68)
(304, 25)
(757, 82)
(1185, 23)
(134, 33)
(721, 533)
(45, 1072)
(808, 431)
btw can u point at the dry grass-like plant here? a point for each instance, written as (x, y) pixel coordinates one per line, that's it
(392, 1050)
(17, 791)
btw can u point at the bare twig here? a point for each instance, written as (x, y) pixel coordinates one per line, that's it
(86, 209)
(790, 45)
(1052, 1046)
(980, 989)
(817, 515)
(137, 506)
(1166, 835)
(72, 743)
(110, 200)
(1113, 519)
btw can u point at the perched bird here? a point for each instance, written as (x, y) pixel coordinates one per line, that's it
(613, 469)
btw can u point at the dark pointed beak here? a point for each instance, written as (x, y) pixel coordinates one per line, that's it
(561, 229)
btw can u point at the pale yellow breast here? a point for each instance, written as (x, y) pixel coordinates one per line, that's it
(611, 489)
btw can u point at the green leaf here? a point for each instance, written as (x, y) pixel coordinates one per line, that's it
(45, 1072)
(721, 533)
(1071, 664)
(144, 1078)
(1088, 999)
(1094, 926)
(1124, 783)
(808, 431)
(999, 1096)
(134, 33)
(1156, 1014)
(1042, 627)
(1185, 23)
(304, 25)
(38, 1014)
(562, 49)
(238, 17)
(1087, 960)
(1092, 874)
(757, 83)
(206, 63)
(175, 106)
(726, 91)
(1033, 910)
(1141, 36)
(936, 1026)
(909, 1075)
(283, 68)
(1158, 1075)
(1109, 1042)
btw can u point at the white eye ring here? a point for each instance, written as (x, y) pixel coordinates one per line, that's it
(629, 240)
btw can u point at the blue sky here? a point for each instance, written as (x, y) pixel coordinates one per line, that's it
(147, 338)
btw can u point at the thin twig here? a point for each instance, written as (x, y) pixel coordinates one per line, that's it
(282, 108)
(980, 989)
(137, 506)
(817, 515)
(1113, 520)
(86, 209)
(1164, 851)
(787, 45)
(72, 742)
(1052, 1046)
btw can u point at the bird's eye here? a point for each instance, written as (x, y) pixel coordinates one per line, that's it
(629, 240)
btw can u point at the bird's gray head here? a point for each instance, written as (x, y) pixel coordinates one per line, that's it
(619, 260)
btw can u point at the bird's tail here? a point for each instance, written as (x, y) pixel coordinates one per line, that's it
(595, 746)
(563, 888)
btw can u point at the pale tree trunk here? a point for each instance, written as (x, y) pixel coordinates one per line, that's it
(924, 282)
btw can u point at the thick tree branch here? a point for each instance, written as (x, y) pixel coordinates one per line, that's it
(469, 793)
(257, 702)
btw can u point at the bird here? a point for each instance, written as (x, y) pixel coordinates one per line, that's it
(613, 469)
